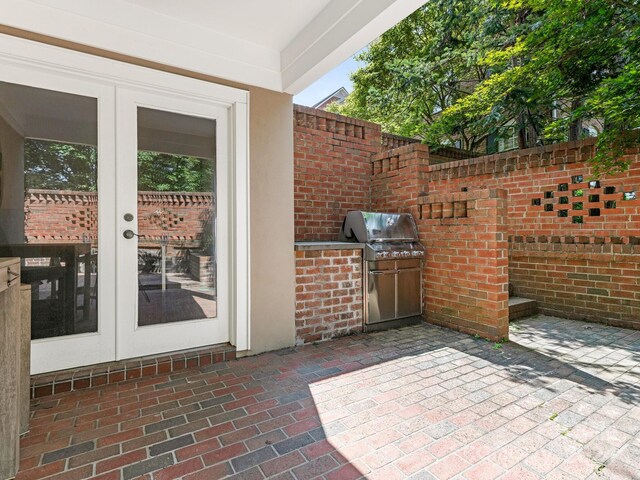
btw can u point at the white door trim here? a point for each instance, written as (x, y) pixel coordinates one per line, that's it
(49, 62)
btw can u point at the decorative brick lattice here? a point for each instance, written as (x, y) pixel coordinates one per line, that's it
(184, 218)
(87, 219)
(452, 206)
(578, 198)
(165, 219)
(60, 216)
(551, 191)
(69, 216)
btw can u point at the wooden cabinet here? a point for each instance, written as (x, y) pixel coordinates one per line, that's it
(24, 396)
(10, 334)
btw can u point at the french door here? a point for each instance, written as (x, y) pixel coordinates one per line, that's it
(58, 174)
(172, 214)
(125, 192)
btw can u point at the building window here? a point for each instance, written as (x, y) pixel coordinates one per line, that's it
(510, 142)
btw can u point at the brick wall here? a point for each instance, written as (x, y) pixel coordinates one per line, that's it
(553, 205)
(183, 217)
(332, 170)
(466, 270)
(68, 216)
(549, 191)
(328, 294)
(399, 177)
(60, 216)
(584, 281)
(573, 240)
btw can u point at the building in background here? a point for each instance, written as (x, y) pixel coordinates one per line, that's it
(338, 97)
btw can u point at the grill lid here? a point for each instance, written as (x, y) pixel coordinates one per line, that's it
(368, 227)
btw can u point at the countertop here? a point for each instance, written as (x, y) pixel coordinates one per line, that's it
(328, 246)
(6, 261)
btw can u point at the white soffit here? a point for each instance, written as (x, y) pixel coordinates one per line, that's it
(281, 45)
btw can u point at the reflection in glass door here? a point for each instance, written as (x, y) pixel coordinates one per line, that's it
(176, 217)
(50, 218)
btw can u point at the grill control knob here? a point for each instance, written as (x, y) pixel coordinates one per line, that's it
(406, 253)
(395, 254)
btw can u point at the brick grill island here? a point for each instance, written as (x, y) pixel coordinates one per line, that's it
(329, 298)
(393, 267)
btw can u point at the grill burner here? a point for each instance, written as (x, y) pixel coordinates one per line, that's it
(393, 266)
(393, 250)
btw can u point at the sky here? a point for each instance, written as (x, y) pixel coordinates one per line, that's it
(332, 81)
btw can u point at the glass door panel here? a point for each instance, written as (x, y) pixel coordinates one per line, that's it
(176, 217)
(172, 209)
(51, 213)
(50, 218)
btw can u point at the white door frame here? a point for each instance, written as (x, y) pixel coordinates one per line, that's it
(45, 66)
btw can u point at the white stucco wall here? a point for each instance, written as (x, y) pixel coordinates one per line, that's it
(272, 227)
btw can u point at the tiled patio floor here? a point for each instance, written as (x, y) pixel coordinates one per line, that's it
(561, 400)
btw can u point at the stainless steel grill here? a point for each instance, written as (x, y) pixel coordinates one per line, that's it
(393, 266)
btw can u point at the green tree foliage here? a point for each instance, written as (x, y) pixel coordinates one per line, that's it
(60, 166)
(64, 166)
(582, 55)
(423, 65)
(174, 173)
(524, 61)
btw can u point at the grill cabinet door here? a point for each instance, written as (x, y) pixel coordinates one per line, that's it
(409, 293)
(382, 296)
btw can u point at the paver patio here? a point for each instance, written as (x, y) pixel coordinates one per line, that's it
(560, 401)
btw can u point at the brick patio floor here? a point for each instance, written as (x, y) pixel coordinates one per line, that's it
(560, 401)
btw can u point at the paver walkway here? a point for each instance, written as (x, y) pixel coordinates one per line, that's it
(560, 401)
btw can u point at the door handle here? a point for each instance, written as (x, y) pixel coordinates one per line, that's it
(129, 234)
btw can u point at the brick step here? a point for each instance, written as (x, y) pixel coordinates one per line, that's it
(45, 384)
(522, 307)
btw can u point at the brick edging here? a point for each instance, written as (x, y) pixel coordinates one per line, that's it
(46, 384)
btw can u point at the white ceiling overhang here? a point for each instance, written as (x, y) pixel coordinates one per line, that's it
(281, 45)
